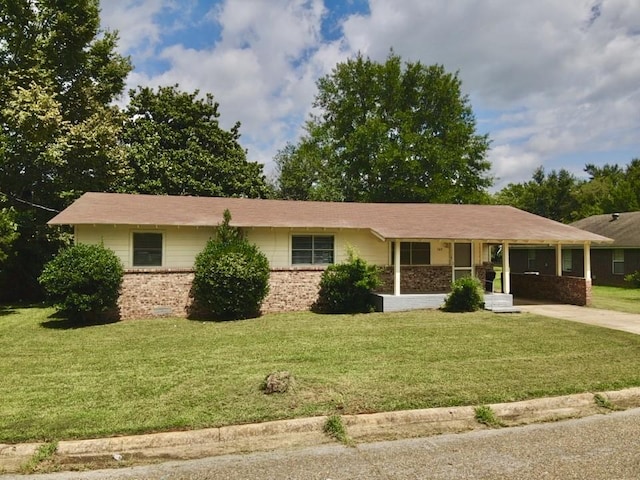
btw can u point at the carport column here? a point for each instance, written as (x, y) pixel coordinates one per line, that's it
(587, 260)
(506, 269)
(396, 267)
(559, 260)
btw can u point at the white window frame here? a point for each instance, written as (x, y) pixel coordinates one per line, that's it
(133, 248)
(617, 261)
(313, 249)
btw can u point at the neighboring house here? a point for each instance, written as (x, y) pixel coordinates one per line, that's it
(421, 248)
(609, 262)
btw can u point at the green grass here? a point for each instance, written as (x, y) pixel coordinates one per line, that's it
(165, 374)
(334, 427)
(484, 414)
(616, 298)
(44, 453)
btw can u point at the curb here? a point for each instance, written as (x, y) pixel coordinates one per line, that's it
(111, 452)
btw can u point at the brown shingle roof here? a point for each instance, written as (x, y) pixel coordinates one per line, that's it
(625, 229)
(388, 220)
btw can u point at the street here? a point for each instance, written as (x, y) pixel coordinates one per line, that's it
(596, 447)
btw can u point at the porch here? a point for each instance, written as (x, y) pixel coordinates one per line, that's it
(497, 302)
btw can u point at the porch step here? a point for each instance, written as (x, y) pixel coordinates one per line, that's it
(391, 303)
(499, 302)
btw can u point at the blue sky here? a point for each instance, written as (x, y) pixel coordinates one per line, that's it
(553, 83)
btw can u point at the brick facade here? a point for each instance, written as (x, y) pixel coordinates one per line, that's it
(164, 293)
(155, 293)
(571, 290)
(292, 289)
(417, 279)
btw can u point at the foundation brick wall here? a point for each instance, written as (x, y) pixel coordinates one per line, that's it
(571, 290)
(414, 279)
(158, 293)
(155, 293)
(292, 289)
(164, 293)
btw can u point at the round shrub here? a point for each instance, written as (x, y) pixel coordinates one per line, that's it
(231, 279)
(633, 279)
(83, 280)
(346, 287)
(465, 296)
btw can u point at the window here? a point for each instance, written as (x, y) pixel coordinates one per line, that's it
(311, 249)
(147, 249)
(413, 253)
(567, 260)
(531, 259)
(618, 262)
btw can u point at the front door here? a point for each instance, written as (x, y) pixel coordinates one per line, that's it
(462, 260)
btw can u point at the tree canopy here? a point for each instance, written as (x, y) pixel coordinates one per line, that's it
(612, 188)
(562, 196)
(388, 132)
(552, 195)
(175, 146)
(59, 75)
(58, 130)
(8, 233)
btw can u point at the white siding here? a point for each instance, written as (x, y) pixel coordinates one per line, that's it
(276, 244)
(180, 247)
(183, 244)
(440, 253)
(113, 237)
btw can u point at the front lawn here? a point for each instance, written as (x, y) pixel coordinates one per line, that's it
(616, 298)
(153, 375)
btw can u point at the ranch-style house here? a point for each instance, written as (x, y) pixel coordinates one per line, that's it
(421, 248)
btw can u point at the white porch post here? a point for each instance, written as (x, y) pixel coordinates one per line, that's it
(587, 260)
(559, 260)
(506, 269)
(396, 267)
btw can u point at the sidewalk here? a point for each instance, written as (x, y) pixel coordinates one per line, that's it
(134, 450)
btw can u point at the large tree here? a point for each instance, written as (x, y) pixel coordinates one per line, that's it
(561, 196)
(612, 188)
(8, 234)
(175, 146)
(388, 132)
(58, 131)
(552, 195)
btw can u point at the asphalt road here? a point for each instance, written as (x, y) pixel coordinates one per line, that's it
(596, 447)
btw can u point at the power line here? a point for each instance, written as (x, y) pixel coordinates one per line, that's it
(26, 202)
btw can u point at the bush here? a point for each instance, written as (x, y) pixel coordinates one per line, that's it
(465, 296)
(347, 287)
(633, 279)
(83, 280)
(231, 276)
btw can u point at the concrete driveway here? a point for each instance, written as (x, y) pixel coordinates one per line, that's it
(627, 322)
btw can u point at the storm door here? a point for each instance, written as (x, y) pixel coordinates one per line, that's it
(462, 260)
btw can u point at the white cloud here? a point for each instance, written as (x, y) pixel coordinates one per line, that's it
(573, 82)
(562, 76)
(510, 162)
(135, 23)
